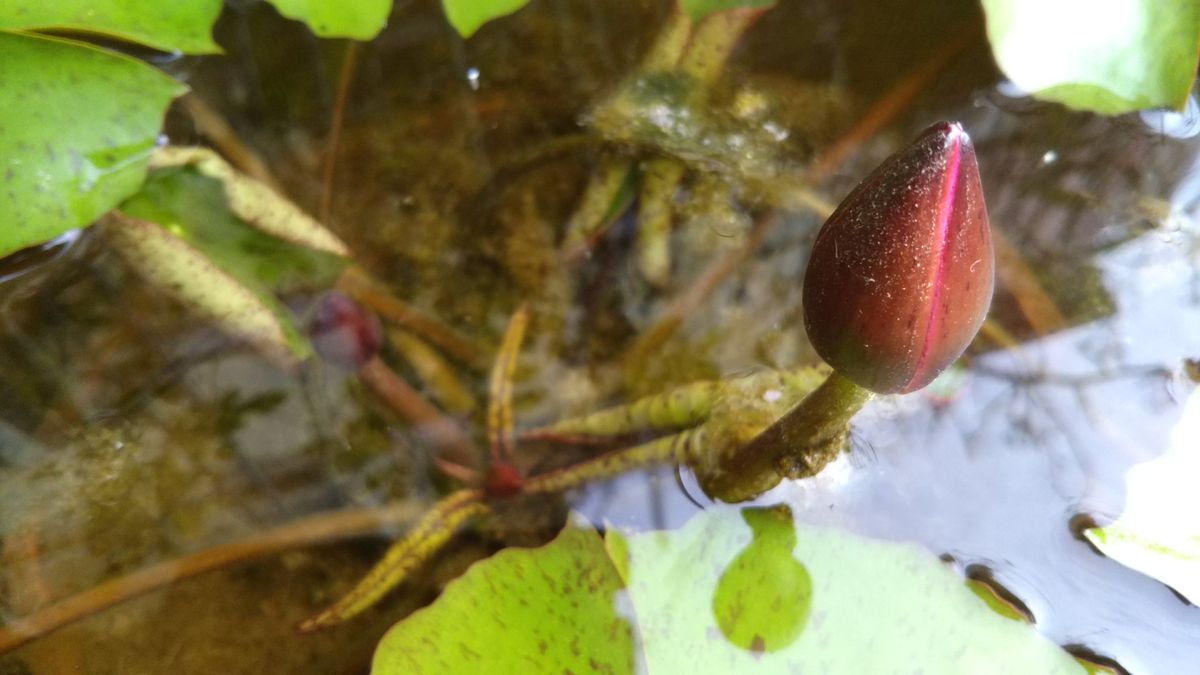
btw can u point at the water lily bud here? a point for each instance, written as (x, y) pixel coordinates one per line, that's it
(901, 274)
(343, 332)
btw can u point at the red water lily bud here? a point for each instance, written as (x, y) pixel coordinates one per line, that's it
(901, 274)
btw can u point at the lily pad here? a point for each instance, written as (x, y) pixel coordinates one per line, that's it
(876, 607)
(77, 126)
(1107, 56)
(179, 25)
(734, 590)
(467, 16)
(1158, 533)
(181, 234)
(358, 19)
(545, 610)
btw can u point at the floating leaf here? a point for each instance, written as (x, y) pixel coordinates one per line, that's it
(1108, 56)
(716, 596)
(180, 233)
(179, 25)
(468, 15)
(698, 9)
(358, 19)
(1158, 533)
(77, 125)
(545, 610)
(883, 607)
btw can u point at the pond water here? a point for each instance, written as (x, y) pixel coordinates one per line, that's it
(132, 431)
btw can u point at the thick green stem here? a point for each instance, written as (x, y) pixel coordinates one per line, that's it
(798, 441)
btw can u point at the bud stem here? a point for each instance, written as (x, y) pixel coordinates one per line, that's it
(795, 438)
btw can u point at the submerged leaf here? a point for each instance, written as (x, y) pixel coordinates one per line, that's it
(1107, 56)
(179, 25)
(77, 125)
(358, 19)
(180, 233)
(253, 201)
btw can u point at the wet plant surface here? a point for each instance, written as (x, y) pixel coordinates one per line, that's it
(133, 431)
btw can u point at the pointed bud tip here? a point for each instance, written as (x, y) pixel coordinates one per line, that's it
(901, 275)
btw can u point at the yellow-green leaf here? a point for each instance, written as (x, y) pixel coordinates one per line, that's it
(546, 610)
(180, 233)
(732, 591)
(358, 19)
(177, 25)
(77, 126)
(467, 16)
(1107, 56)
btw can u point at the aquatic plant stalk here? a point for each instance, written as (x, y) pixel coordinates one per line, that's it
(779, 452)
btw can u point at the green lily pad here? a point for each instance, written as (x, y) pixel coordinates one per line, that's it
(1158, 533)
(1108, 56)
(77, 125)
(181, 234)
(698, 9)
(545, 610)
(358, 19)
(734, 590)
(179, 25)
(876, 607)
(467, 16)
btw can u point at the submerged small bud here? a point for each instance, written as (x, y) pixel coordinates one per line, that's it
(901, 275)
(343, 332)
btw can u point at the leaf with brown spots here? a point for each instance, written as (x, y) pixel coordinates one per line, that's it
(546, 610)
(77, 126)
(732, 591)
(180, 233)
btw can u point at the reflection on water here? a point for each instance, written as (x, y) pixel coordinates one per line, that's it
(1096, 314)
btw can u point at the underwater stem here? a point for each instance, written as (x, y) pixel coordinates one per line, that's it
(306, 532)
(821, 416)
